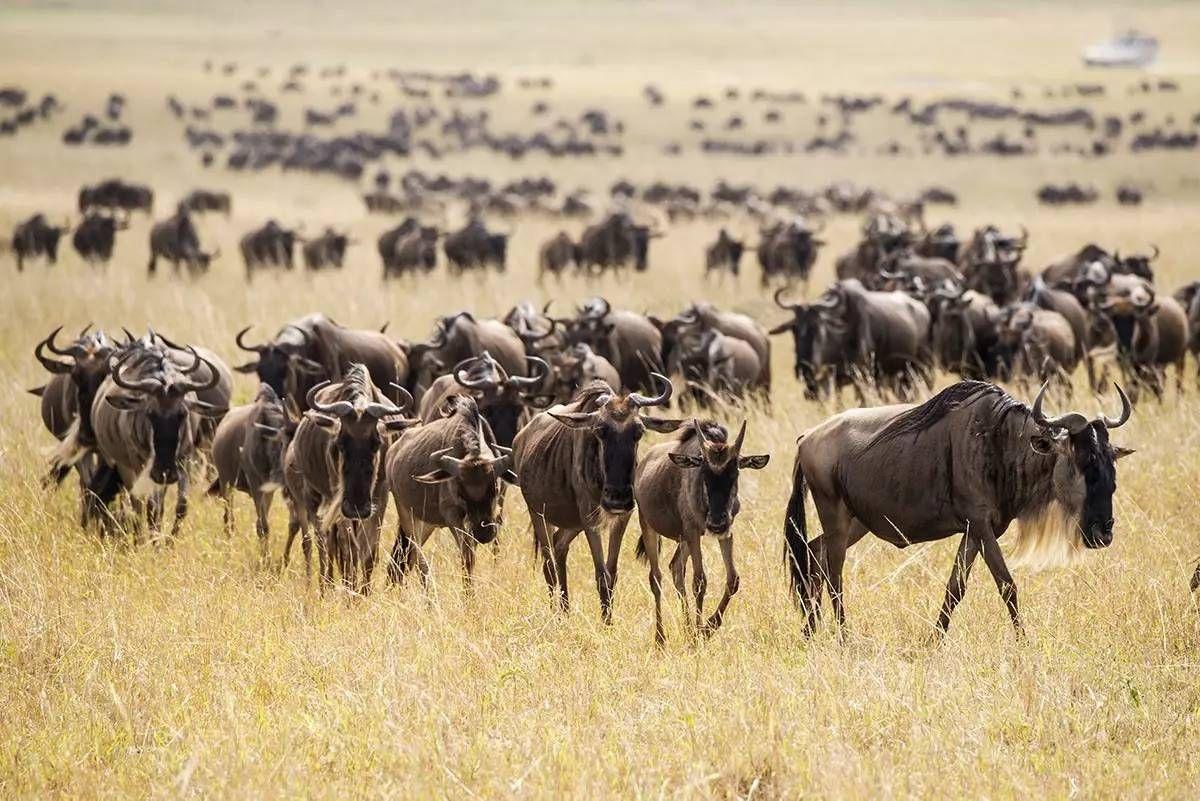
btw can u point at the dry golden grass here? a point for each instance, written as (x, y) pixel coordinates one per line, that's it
(186, 671)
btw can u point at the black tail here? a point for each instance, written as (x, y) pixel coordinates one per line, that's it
(795, 534)
(640, 551)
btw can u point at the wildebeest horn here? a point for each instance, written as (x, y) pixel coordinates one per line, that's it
(214, 377)
(830, 303)
(661, 399)
(337, 409)
(699, 431)
(50, 364)
(84, 330)
(528, 382)
(891, 276)
(1024, 238)
(1155, 255)
(792, 307)
(741, 437)
(460, 374)
(406, 398)
(604, 305)
(1126, 410)
(54, 348)
(386, 408)
(129, 337)
(241, 344)
(1073, 422)
(533, 337)
(141, 385)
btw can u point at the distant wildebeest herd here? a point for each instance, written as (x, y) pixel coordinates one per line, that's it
(346, 419)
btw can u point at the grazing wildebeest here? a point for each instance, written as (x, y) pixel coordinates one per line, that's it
(146, 418)
(685, 488)
(205, 200)
(701, 318)
(175, 239)
(247, 451)
(614, 242)
(724, 255)
(272, 245)
(501, 398)
(334, 474)
(630, 341)
(95, 235)
(446, 474)
(556, 254)
(575, 464)
(475, 247)
(35, 238)
(326, 250)
(114, 193)
(969, 461)
(716, 366)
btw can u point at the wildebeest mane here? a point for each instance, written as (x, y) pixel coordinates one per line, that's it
(952, 398)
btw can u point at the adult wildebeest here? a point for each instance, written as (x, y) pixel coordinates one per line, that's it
(95, 235)
(578, 366)
(1091, 262)
(113, 194)
(556, 254)
(501, 398)
(971, 460)
(146, 418)
(204, 200)
(1149, 330)
(628, 340)
(36, 238)
(685, 488)
(446, 474)
(248, 450)
(460, 336)
(475, 247)
(614, 242)
(411, 251)
(990, 262)
(575, 465)
(716, 366)
(724, 255)
(327, 250)
(788, 249)
(963, 331)
(1038, 343)
(175, 239)
(881, 234)
(702, 318)
(1188, 297)
(272, 245)
(334, 474)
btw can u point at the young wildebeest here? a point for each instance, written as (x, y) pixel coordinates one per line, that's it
(575, 463)
(248, 450)
(685, 488)
(971, 460)
(334, 474)
(146, 420)
(446, 474)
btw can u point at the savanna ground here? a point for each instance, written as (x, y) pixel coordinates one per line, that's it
(189, 671)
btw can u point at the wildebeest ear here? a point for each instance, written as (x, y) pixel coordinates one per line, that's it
(438, 476)
(782, 328)
(661, 425)
(510, 477)
(684, 459)
(754, 462)
(574, 419)
(123, 403)
(323, 420)
(248, 367)
(308, 366)
(400, 423)
(1042, 444)
(1121, 453)
(207, 409)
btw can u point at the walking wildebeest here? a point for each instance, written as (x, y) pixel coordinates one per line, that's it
(247, 451)
(204, 200)
(95, 235)
(685, 488)
(969, 461)
(446, 474)
(334, 474)
(575, 465)
(175, 239)
(326, 250)
(556, 254)
(500, 397)
(114, 193)
(630, 341)
(724, 255)
(272, 245)
(475, 247)
(35, 238)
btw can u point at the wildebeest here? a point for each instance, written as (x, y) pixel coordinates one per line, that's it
(575, 465)
(175, 239)
(614, 242)
(1091, 262)
(460, 336)
(788, 249)
(247, 452)
(971, 460)
(724, 255)
(146, 418)
(685, 488)
(1038, 343)
(962, 333)
(556, 254)
(36, 238)
(326, 250)
(1188, 297)
(630, 341)
(501, 398)
(272, 245)
(578, 366)
(415, 249)
(95, 235)
(1149, 330)
(446, 474)
(205, 200)
(990, 261)
(475, 247)
(881, 234)
(334, 474)
(113, 193)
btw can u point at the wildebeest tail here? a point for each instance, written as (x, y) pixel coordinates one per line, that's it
(795, 532)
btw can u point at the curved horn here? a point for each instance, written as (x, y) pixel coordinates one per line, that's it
(792, 307)
(51, 364)
(241, 344)
(831, 303)
(1126, 410)
(84, 331)
(741, 437)
(140, 385)
(1024, 238)
(305, 335)
(460, 375)
(529, 382)
(214, 377)
(386, 408)
(662, 399)
(700, 432)
(337, 409)
(1156, 253)
(57, 351)
(1073, 422)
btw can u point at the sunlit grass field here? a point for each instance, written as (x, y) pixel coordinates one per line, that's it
(190, 671)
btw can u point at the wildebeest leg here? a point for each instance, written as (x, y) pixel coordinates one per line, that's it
(466, 547)
(956, 587)
(262, 526)
(603, 579)
(616, 536)
(181, 502)
(563, 537)
(994, 559)
(699, 579)
(227, 511)
(1196, 579)
(732, 582)
(154, 512)
(650, 540)
(545, 548)
(324, 557)
(679, 574)
(398, 564)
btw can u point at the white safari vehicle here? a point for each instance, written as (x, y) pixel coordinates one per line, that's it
(1130, 49)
